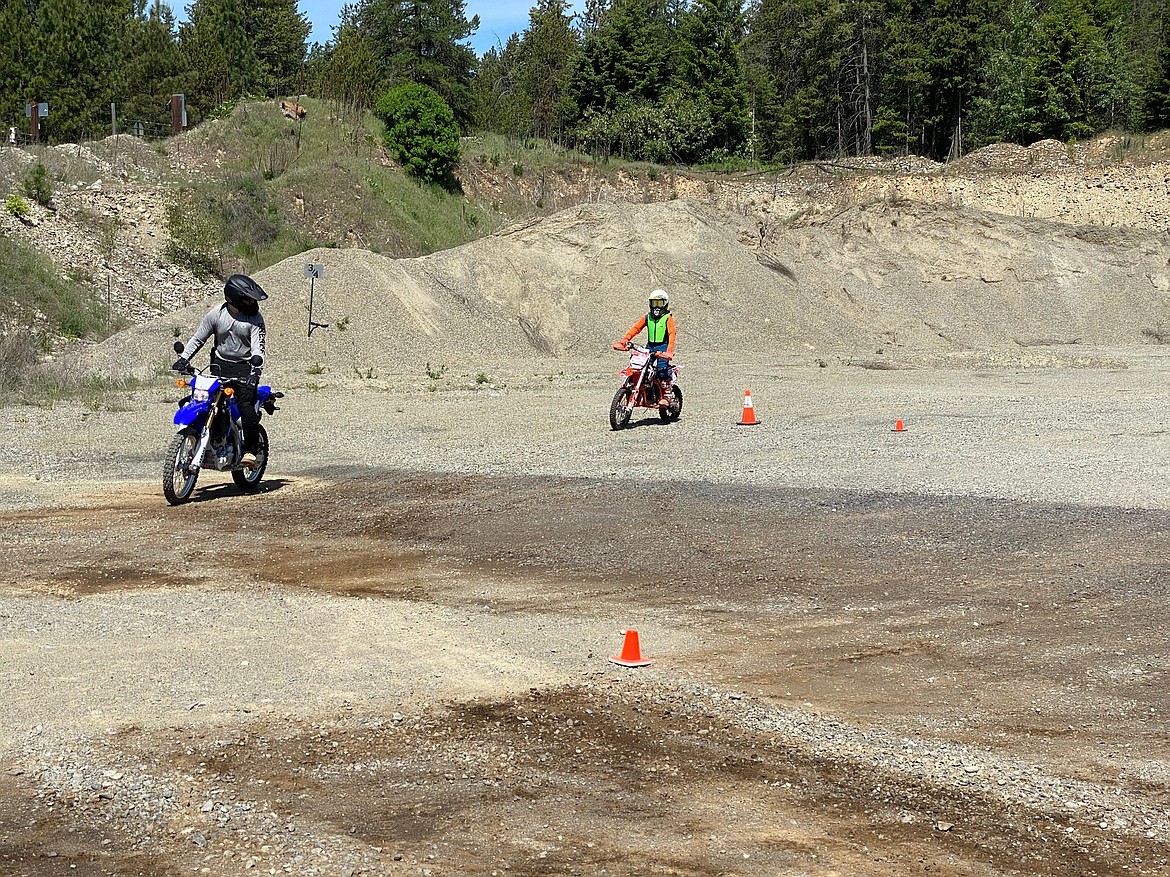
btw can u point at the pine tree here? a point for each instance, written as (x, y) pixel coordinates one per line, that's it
(858, 81)
(500, 105)
(348, 68)
(278, 32)
(1156, 110)
(710, 70)
(1072, 64)
(1142, 42)
(219, 58)
(628, 58)
(546, 54)
(424, 41)
(957, 34)
(897, 124)
(151, 66)
(15, 59)
(77, 49)
(794, 54)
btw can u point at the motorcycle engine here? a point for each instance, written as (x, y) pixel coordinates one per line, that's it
(222, 451)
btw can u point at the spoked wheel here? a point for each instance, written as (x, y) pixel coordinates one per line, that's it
(673, 411)
(178, 478)
(249, 479)
(619, 412)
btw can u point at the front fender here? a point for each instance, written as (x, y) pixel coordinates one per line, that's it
(192, 414)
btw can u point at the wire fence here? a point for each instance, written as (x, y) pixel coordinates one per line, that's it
(135, 127)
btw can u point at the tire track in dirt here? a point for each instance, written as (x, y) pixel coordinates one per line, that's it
(878, 627)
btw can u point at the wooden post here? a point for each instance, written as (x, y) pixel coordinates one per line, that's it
(178, 113)
(34, 122)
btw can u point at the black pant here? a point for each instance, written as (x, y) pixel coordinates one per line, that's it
(238, 373)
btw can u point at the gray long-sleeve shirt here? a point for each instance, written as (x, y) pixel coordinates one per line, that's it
(237, 338)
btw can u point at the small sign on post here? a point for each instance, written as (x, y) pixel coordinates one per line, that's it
(34, 112)
(313, 272)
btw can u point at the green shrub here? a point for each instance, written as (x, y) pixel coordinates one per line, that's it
(248, 217)
(196, 238)
(420, 130)
(678, 129)
(17, 206)
(37, 185)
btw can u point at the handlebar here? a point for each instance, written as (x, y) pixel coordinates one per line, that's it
(212, 370)
(637, 348)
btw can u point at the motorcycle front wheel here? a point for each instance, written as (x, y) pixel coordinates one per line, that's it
(673, 411)
(178, 478)
(619, 411)
(249, 479)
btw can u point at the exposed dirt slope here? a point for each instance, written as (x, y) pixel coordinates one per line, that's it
(1004, 251)
(914, 281)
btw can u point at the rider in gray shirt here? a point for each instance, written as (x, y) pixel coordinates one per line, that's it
(237, 328)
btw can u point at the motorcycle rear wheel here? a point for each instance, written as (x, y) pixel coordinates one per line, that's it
(619, 412)
(249, 479)
(178, 479)
(673, 411)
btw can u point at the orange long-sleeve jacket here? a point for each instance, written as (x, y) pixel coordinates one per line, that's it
(641, 324)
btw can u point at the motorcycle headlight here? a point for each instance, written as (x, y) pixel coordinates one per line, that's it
(199, 396)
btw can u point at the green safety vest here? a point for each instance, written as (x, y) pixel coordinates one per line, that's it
(656, 329)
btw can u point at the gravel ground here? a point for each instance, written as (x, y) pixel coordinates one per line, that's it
(1087, 436)
(408, 646)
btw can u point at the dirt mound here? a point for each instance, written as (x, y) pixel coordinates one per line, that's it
(70, 165)
(933, 280)
(922, 281)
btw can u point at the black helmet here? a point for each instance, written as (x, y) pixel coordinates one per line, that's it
(243, 293)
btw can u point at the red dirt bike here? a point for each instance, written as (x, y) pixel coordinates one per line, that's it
(642, 388)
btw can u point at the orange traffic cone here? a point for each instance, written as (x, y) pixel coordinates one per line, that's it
(631, 655)
(898, 427)
(749, 412)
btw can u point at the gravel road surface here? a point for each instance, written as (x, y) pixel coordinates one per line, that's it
(875, 652)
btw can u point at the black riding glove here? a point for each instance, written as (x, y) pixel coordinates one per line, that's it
(181, 365)
(253, 380)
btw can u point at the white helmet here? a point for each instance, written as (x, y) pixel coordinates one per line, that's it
(659, 302)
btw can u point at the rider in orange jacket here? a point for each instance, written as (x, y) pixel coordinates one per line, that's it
(660, 335)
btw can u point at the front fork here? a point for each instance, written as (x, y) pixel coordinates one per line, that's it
(635, 390)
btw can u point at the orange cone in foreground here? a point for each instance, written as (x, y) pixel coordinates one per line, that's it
(631, 655)
(749, 411)
(898, 427)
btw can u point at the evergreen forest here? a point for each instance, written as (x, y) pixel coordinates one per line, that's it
(667, 81)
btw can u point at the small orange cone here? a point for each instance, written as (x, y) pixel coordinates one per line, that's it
(898, 427)
(749, 411)
(631, 655)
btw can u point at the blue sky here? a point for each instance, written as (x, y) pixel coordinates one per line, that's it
(498, 19)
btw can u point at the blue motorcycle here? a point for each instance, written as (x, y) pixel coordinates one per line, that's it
(210, 435)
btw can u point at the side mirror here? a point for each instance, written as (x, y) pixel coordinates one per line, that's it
(178, 347)
(256, 361)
